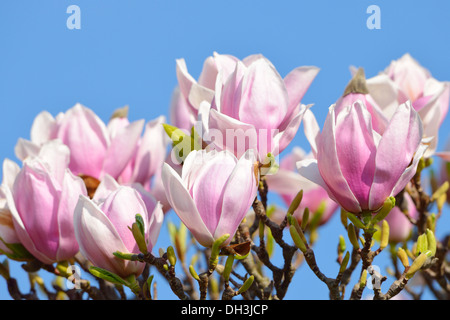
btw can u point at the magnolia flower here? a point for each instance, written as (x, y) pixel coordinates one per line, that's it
(213, 193)
(191, 92)
(42, 201)
(95, 149)
(360, 168)
(254, 108)
(148, 157)
(287, 183)
(405, 79)
(7, 232)
(101, 227)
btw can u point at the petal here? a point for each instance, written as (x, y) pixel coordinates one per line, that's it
(87, 138)
(330, 167)
(185, 80)
(444, 155)
(72, 188)
(297, 83)
(182, 203)
(225, 63)
(399, 226)
(385, 94)
(98, 239)
(208, 189)
(105, 188)
(397, 147)
(57, 156)
(25, 148)
(209, 73)
(311, 129)
(43, 128)
(121, 207)
(10, 171)
(36, 200)
(21, 231)
(239, 194)
(151, 152)
(122, 148)
(284, 138)
(231, 134)
(229, 103)
(263, 99)
(288, 182)
(155, 222)
(409, 75)
(411, 170)
(356, 150)
(309, 169)
(181, 115)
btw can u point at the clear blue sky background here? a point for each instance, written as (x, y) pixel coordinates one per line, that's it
(125, 51)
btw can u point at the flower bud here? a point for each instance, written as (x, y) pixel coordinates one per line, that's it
(297, 239)
(403, 256)
(422, 244)
(384, 241)
(247, 284)
(416, 265)
(431, 240)
(352, 236)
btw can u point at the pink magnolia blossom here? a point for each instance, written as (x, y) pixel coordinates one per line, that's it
(287, 183)
(190, 93)
(405, 79)
(254, 108)
(360, 168)
(213, 193)
(42, 201)
(7, 232)
(95, 149)
(149, 155)
(101, 226)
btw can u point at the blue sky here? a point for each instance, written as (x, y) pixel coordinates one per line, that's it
(125, 51)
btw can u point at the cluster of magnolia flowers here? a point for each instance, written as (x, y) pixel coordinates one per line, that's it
(81, 182)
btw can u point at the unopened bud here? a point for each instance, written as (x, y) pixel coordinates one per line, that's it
(341, 246)
(139, 237)
(403, 256)
(247, 284)
(215, 250)
(344, 262)
(363, 279)
(295, 202)
(422, 244)
(305, 218)
(171, 256)
(297, 239)
(352, 236)
(193, 273)
(228, 267)
(384, 240)
(388, 204)
(416, 265)
(123, 255)
(431, 239)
